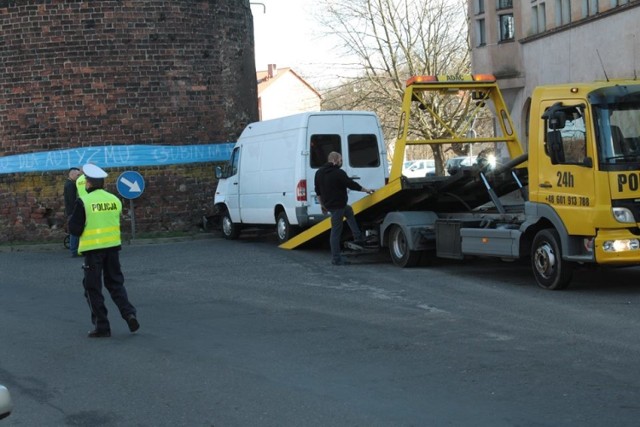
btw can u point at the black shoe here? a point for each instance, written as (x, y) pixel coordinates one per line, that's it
(340, 262)
(132, 322)
(359, 242)
(96, 333)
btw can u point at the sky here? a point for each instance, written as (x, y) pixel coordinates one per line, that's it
(286, 34)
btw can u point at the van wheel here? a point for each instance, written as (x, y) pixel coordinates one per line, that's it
(399, 250)
(284, 229)
(550, 270)
(230, 230)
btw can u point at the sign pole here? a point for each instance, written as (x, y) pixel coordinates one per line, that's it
(130, 185)
(133, 219)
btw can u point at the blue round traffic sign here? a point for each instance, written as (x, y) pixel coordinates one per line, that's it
(130, 184)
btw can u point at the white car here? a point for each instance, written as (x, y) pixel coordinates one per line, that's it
(419, 168)
(455, 163)
(5, 402)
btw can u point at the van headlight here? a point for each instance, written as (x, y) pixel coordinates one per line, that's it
(623, 215)
(621, 245)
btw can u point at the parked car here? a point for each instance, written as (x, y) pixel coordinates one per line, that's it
(5, 402)
(455, 163)
(419, 168)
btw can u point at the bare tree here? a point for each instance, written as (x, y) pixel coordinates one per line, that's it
(390, 41)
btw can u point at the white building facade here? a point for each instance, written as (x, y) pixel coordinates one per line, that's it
(527, 43)
(282, 92)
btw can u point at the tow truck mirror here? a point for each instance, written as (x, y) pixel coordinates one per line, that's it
(554, 147)
(557, 120)
(555, 116)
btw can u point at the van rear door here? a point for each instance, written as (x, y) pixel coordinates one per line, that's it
(363, 153)
(358, 138)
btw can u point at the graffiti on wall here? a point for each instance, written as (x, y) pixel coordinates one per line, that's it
(115, 156)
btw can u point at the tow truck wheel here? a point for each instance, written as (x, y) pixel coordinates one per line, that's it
(283, 228)
(550, 270)
(230, 230)
(401, 255)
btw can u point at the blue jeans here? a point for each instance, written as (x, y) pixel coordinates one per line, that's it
(337, 216)
(73, 244)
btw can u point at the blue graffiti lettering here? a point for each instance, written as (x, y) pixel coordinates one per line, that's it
(115, 156)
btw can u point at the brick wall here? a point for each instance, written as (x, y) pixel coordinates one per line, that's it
(175, 199)
(94, 73)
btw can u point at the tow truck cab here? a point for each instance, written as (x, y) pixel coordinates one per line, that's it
(584, 168)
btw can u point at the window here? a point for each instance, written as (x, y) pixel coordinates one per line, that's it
(505, 4)
(589, 8)
(569, 142)
(615, 3)
(481, 36)
(321, 146)
(235, 158)
(534, 20)
(617, 124)
(479, 7)
(563, 12)
(506, 27)
(363, 151)
(542, 18)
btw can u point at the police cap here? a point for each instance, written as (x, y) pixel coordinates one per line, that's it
(93, 171)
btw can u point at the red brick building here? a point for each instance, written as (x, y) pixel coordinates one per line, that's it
(111, 73)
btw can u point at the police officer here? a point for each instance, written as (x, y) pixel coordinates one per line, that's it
(81, 183)
(96, 219)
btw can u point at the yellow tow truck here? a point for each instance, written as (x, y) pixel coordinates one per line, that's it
(578, 183)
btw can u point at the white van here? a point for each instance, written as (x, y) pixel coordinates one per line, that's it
(269, 180)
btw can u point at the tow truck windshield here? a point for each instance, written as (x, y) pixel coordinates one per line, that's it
(617, 121)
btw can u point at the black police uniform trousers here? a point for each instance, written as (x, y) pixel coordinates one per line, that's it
(99, 264)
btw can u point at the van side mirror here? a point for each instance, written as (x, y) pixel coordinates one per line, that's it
(220, 173)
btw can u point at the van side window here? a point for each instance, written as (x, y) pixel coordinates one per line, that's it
(235, 157)
(363, 151)
(321, 146)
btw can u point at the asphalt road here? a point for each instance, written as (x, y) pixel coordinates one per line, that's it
(242, 333)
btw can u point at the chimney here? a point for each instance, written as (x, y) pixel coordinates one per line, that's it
(272, 71)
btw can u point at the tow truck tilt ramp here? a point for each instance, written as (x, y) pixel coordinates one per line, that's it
(440, 193)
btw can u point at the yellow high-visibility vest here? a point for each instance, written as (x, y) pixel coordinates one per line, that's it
(102, 226)
(80, 185)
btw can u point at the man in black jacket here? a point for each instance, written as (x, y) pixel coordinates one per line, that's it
(331, 184)
(70, 196)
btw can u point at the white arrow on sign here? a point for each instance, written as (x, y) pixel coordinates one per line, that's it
(133, 186)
